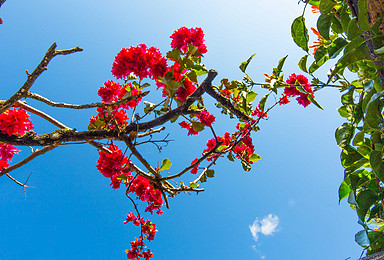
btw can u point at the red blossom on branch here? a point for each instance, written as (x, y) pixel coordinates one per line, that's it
(113, 163)
(206, 118)
(15, 121)
(184, 36)
(142, 61)
(189, 127)
(7, 151)
(291, 91)
(196, 168)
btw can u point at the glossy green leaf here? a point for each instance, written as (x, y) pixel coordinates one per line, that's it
(254, 157)
(372, 115)
(365, 200)
(324, 25)
(344, 135)
(320, 53)
(194, 185)
(359, 139)
(347, 98)
(336, 47)
(263, 100)
(303, 63)
(363, 15)
(312, 99)
(349, 155)
(345, 18)
(280, 66)
(251, 96)
(174, 55)
(336, 25)
(98, 124)
(353, 30)
(344, 190)
(300, 33)
(243, 66)
(361, 238)
(376, 161)
(166, 164)
(326, 6)
(344, 111)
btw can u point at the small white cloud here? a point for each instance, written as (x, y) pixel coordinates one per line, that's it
(267, 226)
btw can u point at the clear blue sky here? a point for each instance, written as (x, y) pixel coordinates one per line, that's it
(74, 214)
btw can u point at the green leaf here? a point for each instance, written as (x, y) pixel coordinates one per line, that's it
(361, 238)
(197, 126)
(166, 164)
(210, 173)
(174, 55)
(203, 178)
(279, 68)
(254, 157)
(344, 111)
(192, 76)
(376, 161)
(251, 96)
(303, 63)
(363, 15)
(312, 99)
(99, 123)
(336, 25)
(379, 51)
(347, 98)
(326, 6)
(353, 30)
(344, 17)
(194, 185)
(349, 155)
(320, 53)
(246, 166)
(372, 116)
(300, 33)
(359, 139)
(344, 190)
(263, 100)
(243, 66)
(324, 25)
(336, 47)
(365, 200)
(230, 157)
(344, 135)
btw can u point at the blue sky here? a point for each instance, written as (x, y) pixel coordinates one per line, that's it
(289, 199)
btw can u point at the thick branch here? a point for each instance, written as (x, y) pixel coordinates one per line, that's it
(85, 106)
(22, 92)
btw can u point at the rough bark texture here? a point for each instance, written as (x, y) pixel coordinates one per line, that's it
(375, 9)
(377, 256)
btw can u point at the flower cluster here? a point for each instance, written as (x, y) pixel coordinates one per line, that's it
(196, 168)
(258, 112)
(136, 247)
(6, 153)
(112, 163)
(206, 118)
(15, 121)
(302, 98)
(189, 127)
(141, 60)
(184, 36)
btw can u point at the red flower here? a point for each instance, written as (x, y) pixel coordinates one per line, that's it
(110, 91)
(15, 121)
(189, 127)
(133, 92)
(183, 92)
(293, 79)
(259, 112)
(184, 36)
(140, 60)
(206, 118)
(196, 168)
(113, 163)
(3, 164)
(283, 100)
(147, 254)
(7, 151)
(130, 217)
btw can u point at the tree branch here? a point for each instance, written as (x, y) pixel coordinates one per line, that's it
(22, 92)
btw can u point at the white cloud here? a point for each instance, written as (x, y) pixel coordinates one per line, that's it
(267, 226)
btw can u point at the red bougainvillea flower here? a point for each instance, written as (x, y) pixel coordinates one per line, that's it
(142, 61)
(146, 192)
(184, 36)
(115, 182)
(134, 253)
(110, 91)
(283, 100)
(196, 168)
(259, 112)
(15, 121)
(7, 151)
(118, 114)
(1, 21)
(183, 92)
(3, 164)
(111, 163)
(226, 140)
(206, 118)
(293, 79)
(149, 229)
(189, 127)
(130, 217)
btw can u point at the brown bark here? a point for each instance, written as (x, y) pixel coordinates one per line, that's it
(375, 9)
